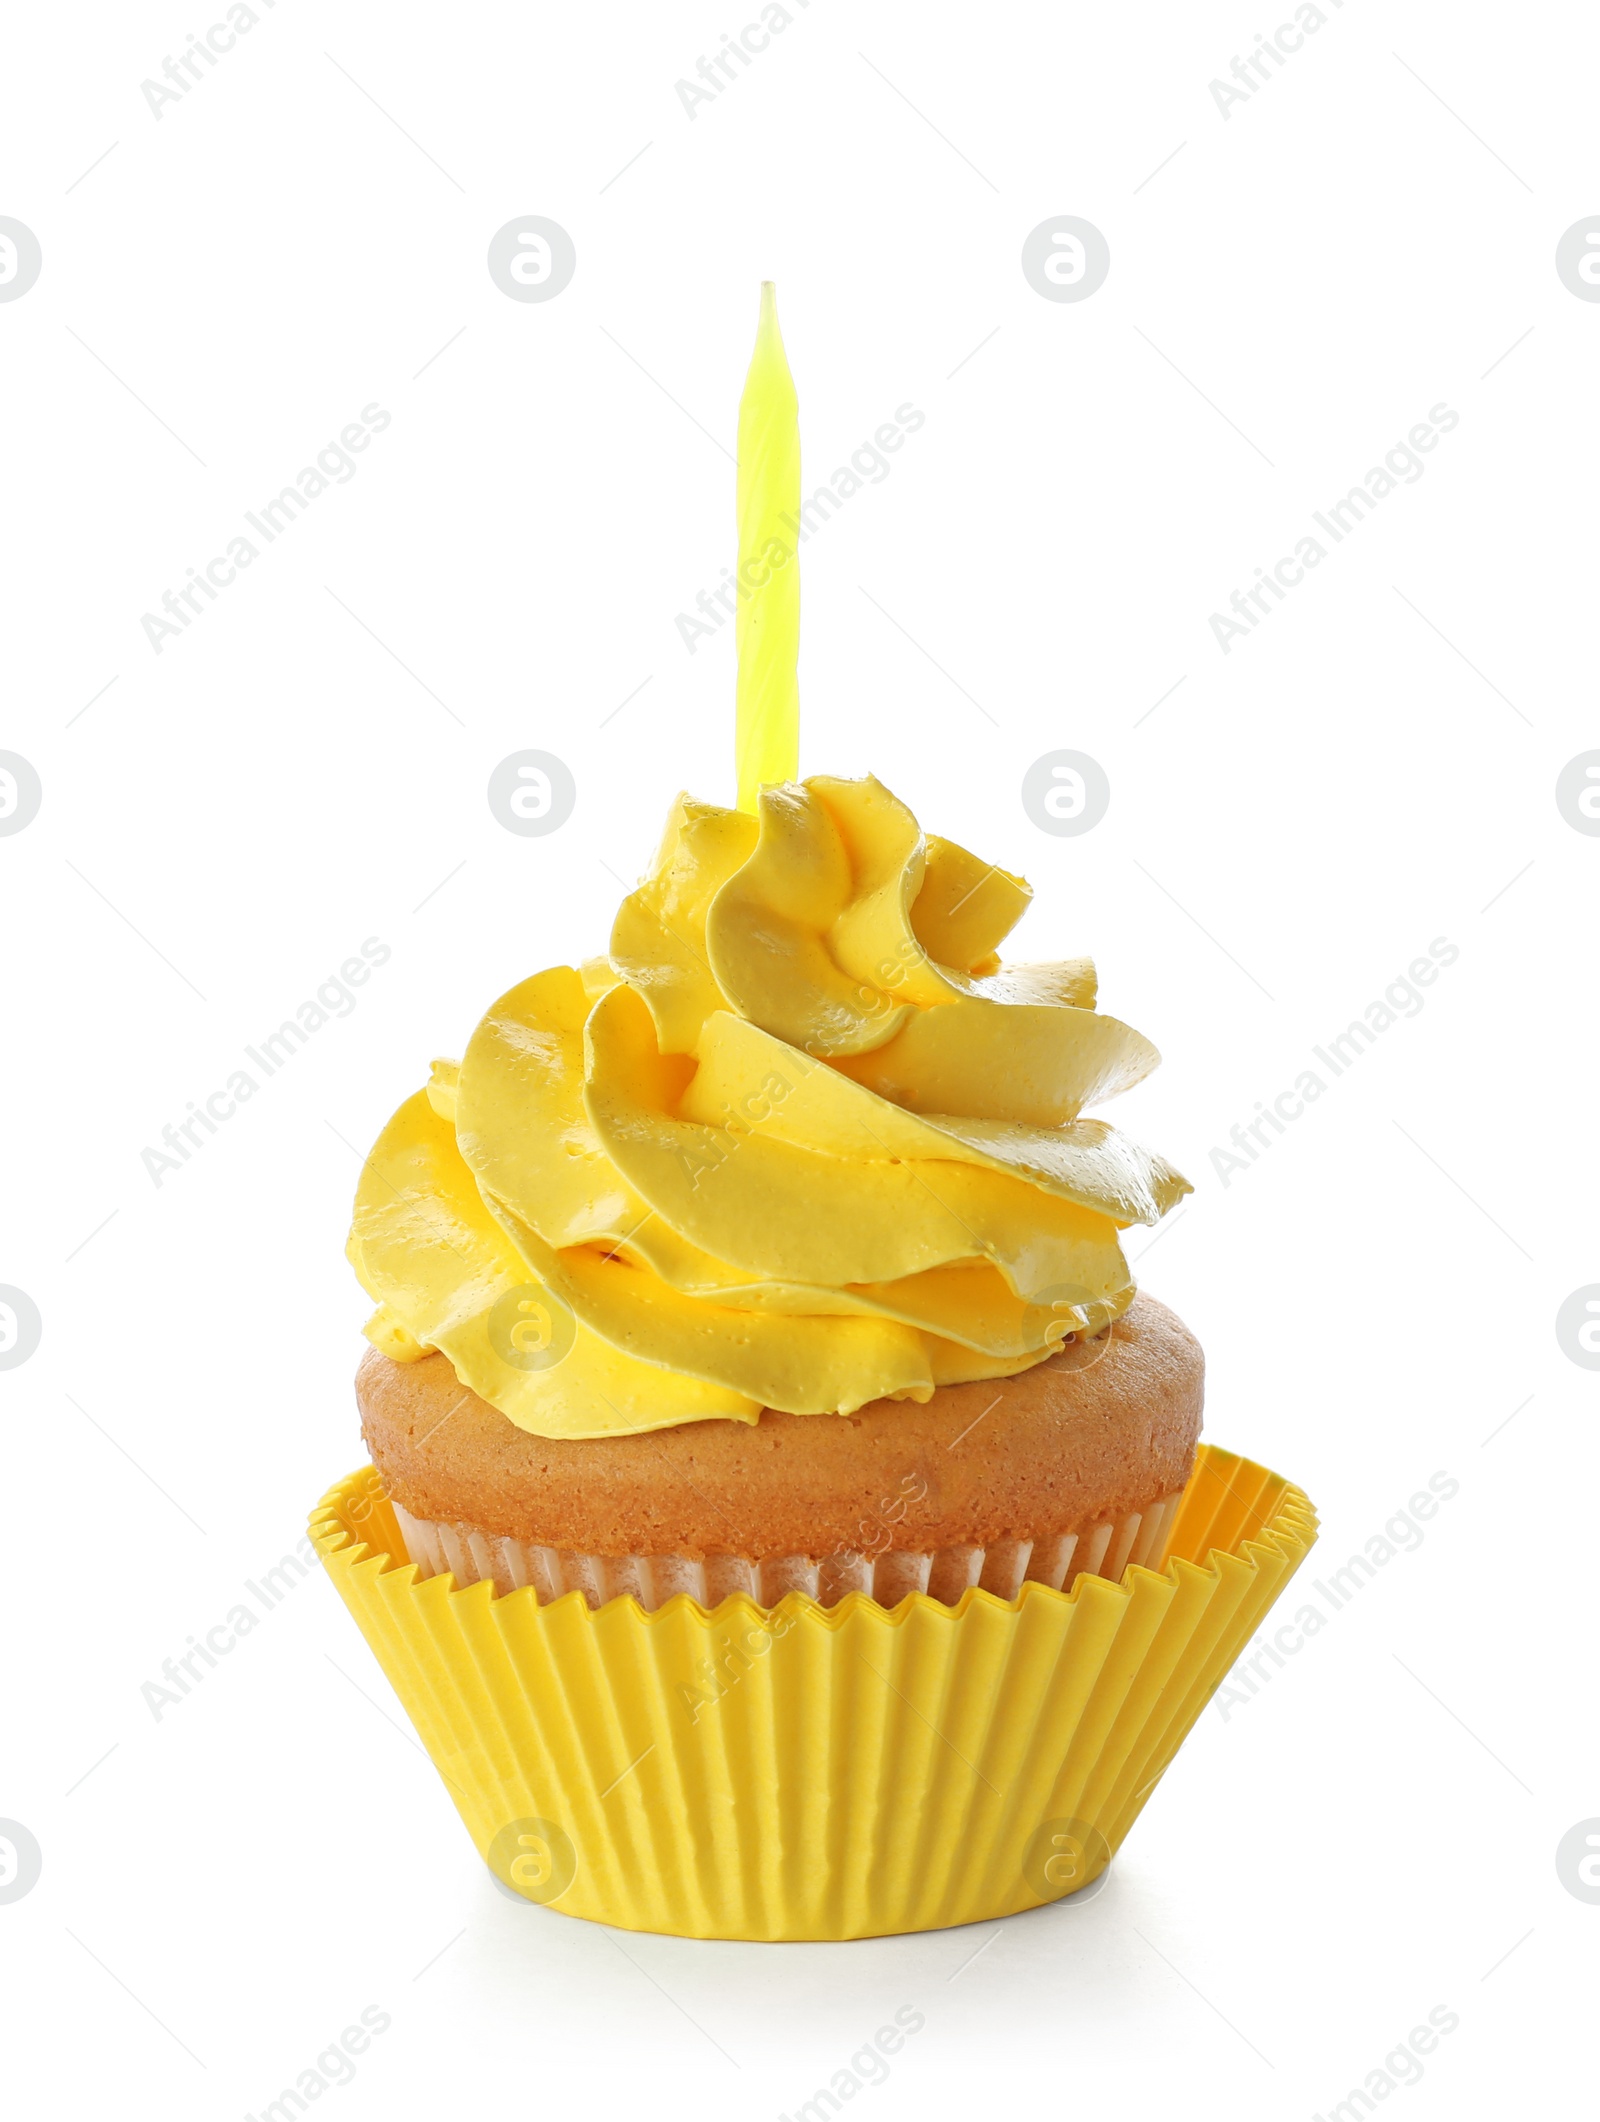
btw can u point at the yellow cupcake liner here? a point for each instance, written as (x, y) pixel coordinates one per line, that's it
(809, 1772)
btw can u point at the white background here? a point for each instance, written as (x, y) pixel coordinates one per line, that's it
(304, 233)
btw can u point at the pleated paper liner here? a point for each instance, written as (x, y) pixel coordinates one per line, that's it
(803, 1771)
(472, 1557)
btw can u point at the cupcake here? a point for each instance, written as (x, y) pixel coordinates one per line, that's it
(784, 1517)
(800, 1147)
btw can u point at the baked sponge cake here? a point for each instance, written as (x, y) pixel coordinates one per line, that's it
(1075, 1465)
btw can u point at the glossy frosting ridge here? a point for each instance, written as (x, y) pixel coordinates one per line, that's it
(800, 1141)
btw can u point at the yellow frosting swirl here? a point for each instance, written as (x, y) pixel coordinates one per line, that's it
(799, 1141)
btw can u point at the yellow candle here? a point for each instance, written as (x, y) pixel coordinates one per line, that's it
(767, 734)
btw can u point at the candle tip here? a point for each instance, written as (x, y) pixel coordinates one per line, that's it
(769, 332)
